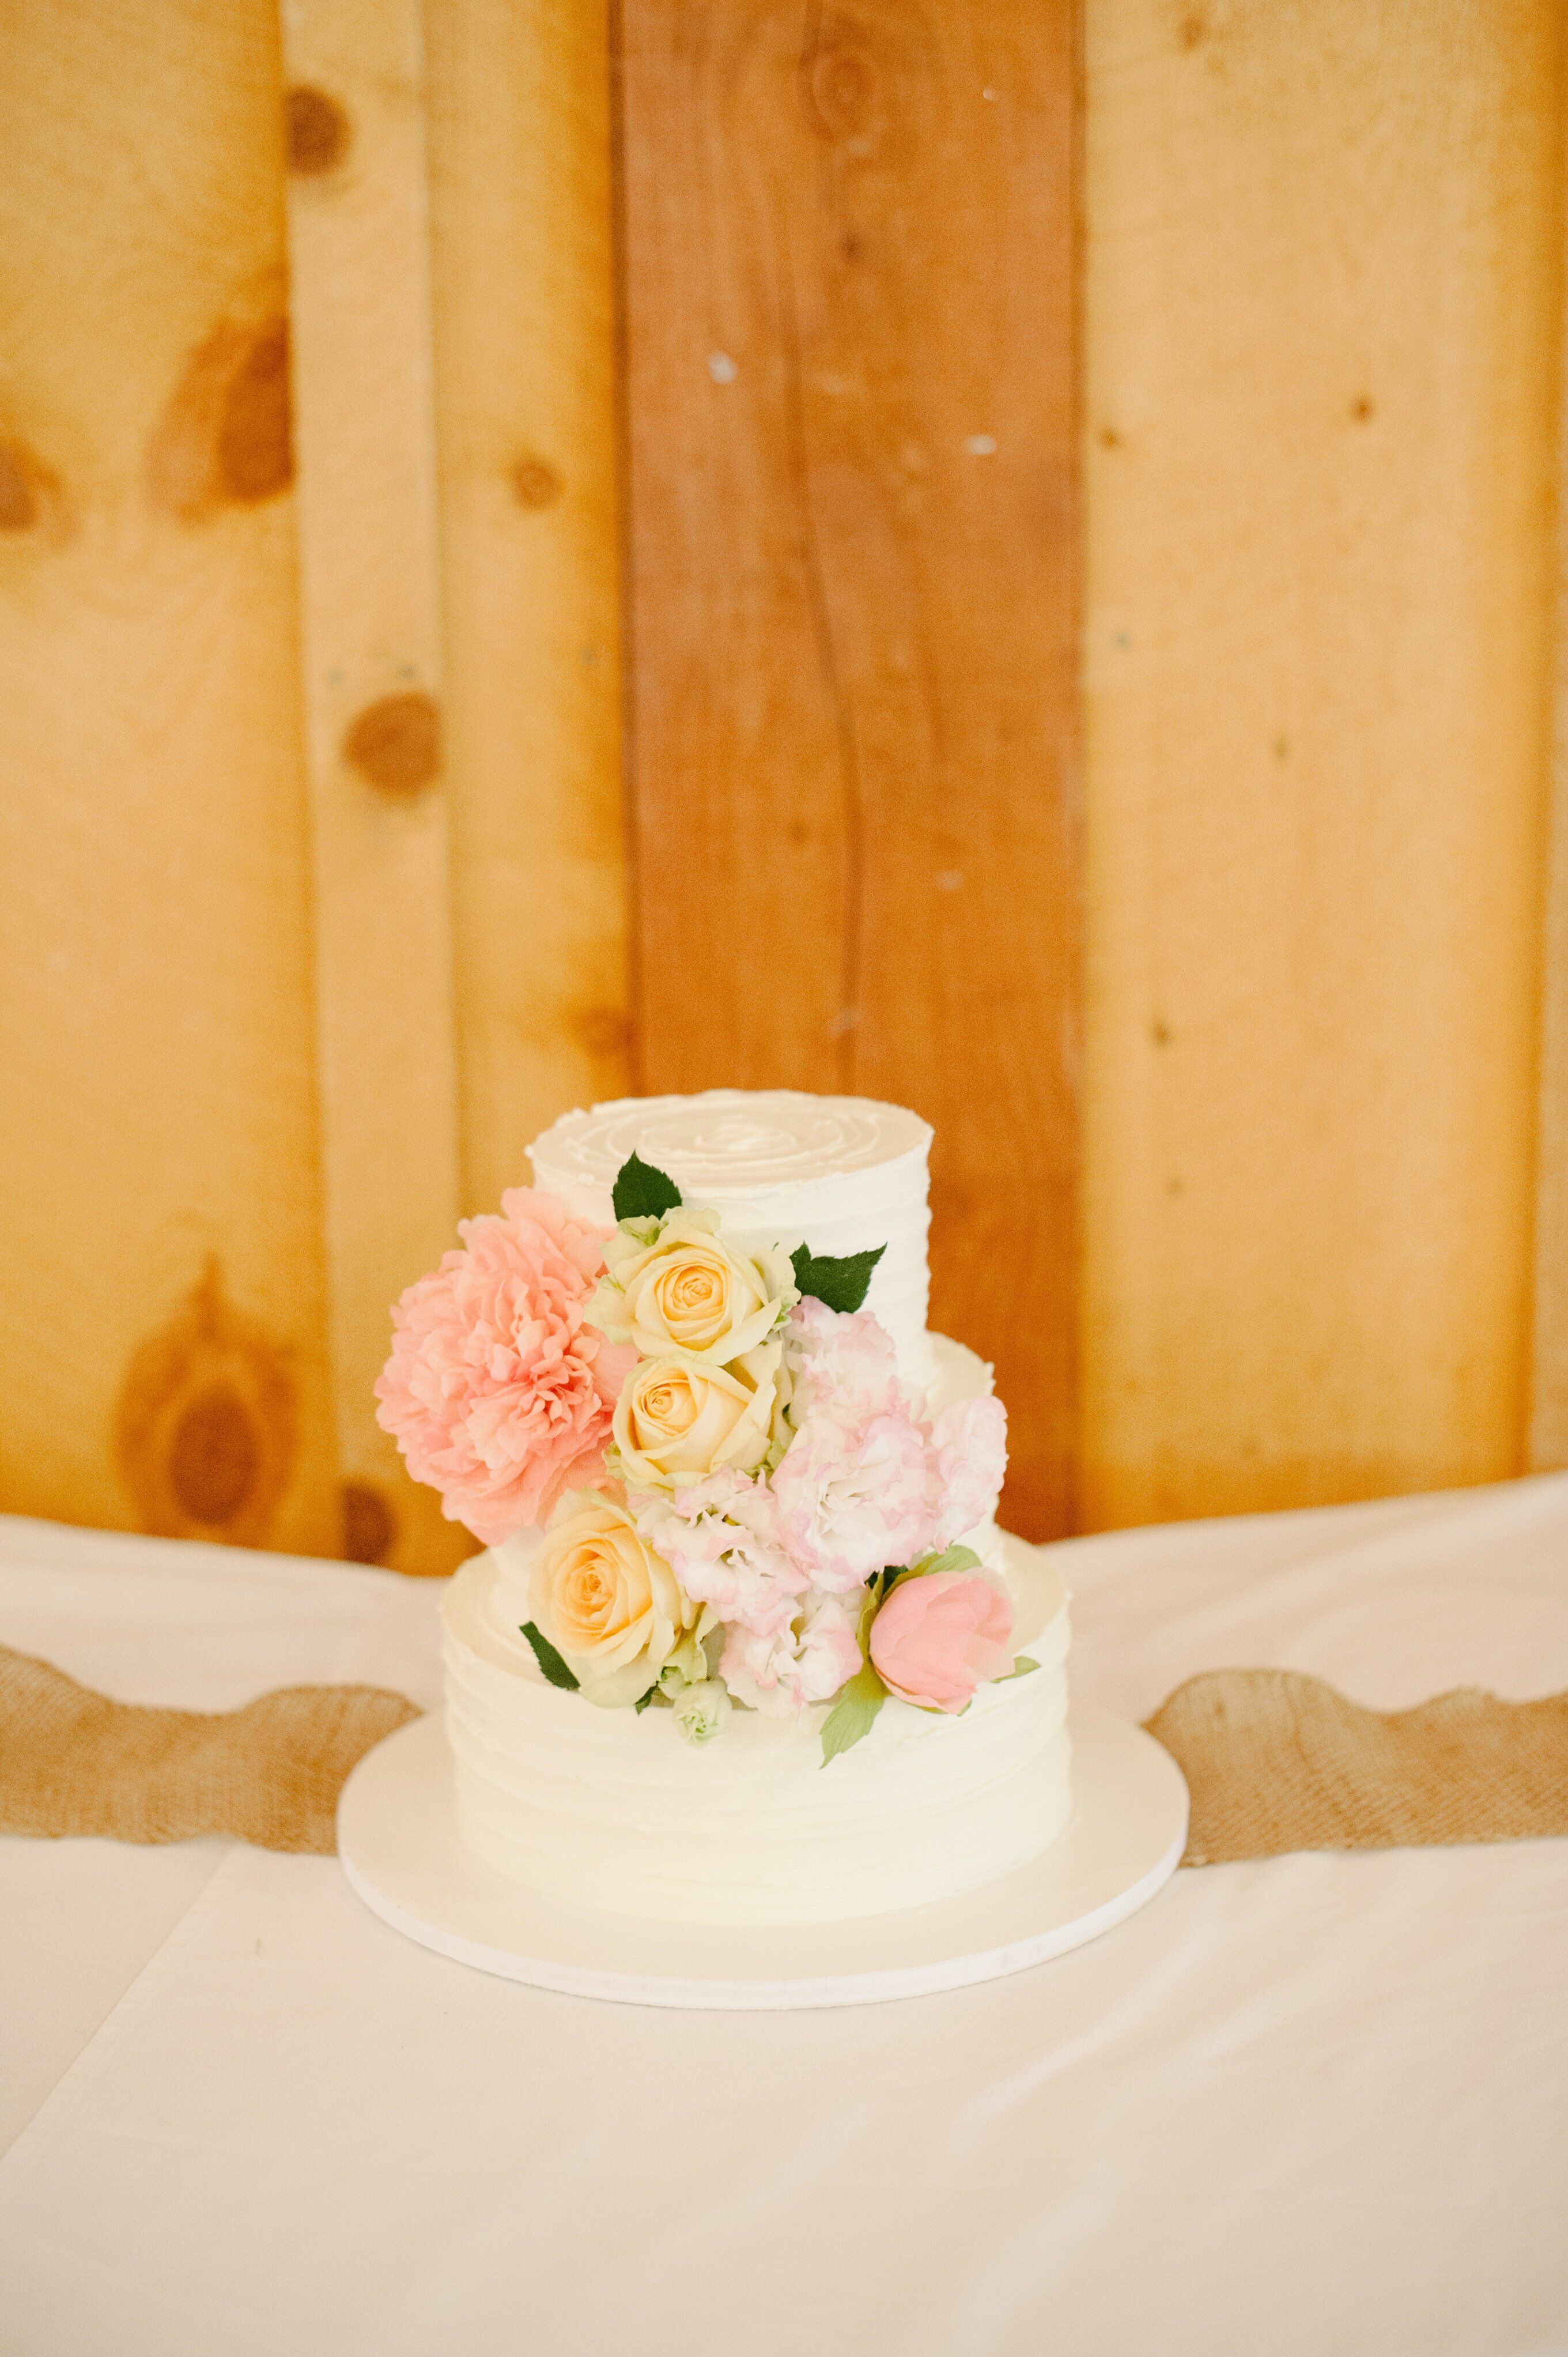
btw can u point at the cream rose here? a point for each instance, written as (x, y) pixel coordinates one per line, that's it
(689, 1291)
(607, 1602)
(677, 1419)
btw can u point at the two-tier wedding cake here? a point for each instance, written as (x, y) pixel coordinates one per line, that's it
(747, 1645)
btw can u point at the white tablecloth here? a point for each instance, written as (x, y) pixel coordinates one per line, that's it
(1314, 2104)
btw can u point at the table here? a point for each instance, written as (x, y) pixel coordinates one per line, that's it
(1307, 2104)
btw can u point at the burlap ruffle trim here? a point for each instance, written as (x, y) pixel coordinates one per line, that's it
(1274, 1761)
(71, 1762)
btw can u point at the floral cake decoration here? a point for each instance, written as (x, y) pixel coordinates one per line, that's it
(740, 1503)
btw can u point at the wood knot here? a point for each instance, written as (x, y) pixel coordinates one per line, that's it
(536, 483)
(370, 1525)
(843, 88)
(206, 1428)
(605, 1031)
(213, 1456)
(395, 743)
(226, 434)
(31, 498)
(318, 131)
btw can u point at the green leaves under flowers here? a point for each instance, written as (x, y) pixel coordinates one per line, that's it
(642, 1192)
(837, 1284)
(640, 1704)
(852, 1714)
(548, 1659)
(1021, 1667)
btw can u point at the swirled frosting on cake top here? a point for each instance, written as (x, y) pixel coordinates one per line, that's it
(837, 1174)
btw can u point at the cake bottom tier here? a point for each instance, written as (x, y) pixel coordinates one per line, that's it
(617, 1811)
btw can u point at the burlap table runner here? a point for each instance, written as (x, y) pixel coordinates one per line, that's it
(1274, 1761)
(71, 1762)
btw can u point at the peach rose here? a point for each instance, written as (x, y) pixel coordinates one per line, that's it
(608, 1603)
(937, 1638)
(677, 1419)
(688, 1291)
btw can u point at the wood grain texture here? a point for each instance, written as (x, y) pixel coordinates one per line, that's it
(848, 249)
(372, 670)
(1324, 265)
(519, 166)
(1548, 1448)
(155, 960)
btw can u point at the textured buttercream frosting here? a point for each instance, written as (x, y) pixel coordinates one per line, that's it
(837, 1174)
(617, 1811)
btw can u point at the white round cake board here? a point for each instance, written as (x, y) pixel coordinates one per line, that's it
(398, 1838)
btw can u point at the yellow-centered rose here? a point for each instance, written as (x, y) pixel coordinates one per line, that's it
(689, 1291)
(676, 1419)
(609, 1603)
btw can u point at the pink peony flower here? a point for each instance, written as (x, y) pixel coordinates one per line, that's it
(807, 1661)
(721, 1539)
(968, 1461)
(935, 1639)
(497, 1393)
(855, 1496)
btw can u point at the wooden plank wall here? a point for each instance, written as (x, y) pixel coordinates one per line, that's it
(166, 1346)
(852, 589)
(370, 662)
(1549, 1354)
(162, 1350)
(1322, 296)
(1323, 325)
(520, 163)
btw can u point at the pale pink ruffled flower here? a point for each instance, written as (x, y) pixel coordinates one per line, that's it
(720, 1537)
(937, 1638)
(805, 1661)
(838, 1361)
(497, 1392)
(967, 1463)
(854, 1496)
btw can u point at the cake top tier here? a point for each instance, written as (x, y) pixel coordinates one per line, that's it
(838, 1174)
(728, 1142)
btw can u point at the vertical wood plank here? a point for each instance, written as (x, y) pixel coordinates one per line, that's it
(1548, 1437)
(162, 1348)
(370, 605)
(524, 302)
(1323, 271)
(852, 570)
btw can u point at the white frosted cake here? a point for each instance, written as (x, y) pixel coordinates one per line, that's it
(745, 1645)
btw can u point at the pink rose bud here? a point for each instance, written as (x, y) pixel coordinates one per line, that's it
(935, 1639)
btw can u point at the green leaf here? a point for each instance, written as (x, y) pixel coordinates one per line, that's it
(838, 1283)
(852, 1714)
(953, 1558)
(640, 1704)
(1021, 1667)
(548, 1659)
(642, 1192)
